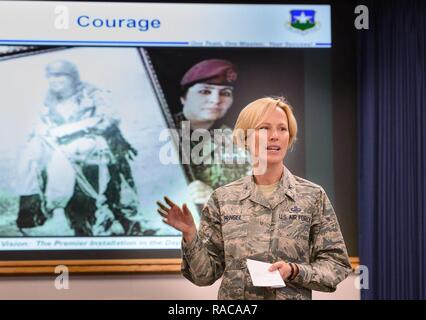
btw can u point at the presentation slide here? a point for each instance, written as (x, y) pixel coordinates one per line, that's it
(92, 125)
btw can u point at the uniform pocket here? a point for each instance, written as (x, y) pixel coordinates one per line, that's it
(293, 241)
(234, 232)
(232, 286)
(234, 224)
(235, 229)
(295, 225)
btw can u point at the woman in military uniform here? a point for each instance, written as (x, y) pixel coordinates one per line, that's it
(272, 216)
(207, 95)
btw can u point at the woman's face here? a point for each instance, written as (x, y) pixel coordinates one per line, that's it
(271, 138)
(207, 102)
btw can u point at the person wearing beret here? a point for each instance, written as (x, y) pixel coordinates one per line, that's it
(206, 96)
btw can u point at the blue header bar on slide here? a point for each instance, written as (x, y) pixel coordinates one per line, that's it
(164, 24)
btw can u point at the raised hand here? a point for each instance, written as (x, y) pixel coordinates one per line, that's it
(180, 219)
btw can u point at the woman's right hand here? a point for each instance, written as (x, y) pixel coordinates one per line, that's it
(180, 219)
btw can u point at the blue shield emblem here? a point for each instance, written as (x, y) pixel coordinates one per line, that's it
(303, 19)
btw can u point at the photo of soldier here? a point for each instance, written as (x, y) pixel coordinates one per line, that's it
(209, 87)
(77, 161)
(206, 96)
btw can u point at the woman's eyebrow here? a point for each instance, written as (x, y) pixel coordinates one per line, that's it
(268, 124)
(211, 87)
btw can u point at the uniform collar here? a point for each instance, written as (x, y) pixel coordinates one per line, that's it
(286, 187)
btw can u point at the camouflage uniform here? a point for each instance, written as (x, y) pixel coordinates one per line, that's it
(219, 174)
(297, 225)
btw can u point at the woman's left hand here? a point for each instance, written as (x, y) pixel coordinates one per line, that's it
(283, 267)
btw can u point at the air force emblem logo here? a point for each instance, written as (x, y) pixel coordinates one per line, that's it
(303, 20)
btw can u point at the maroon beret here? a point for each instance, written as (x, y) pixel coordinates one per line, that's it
(212, 71)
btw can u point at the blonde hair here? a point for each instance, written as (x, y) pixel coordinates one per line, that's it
(253, 114)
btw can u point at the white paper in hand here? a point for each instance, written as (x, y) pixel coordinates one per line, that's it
(261, 277)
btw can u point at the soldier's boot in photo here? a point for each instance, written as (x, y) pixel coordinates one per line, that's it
(30, 212)
(80, 211)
